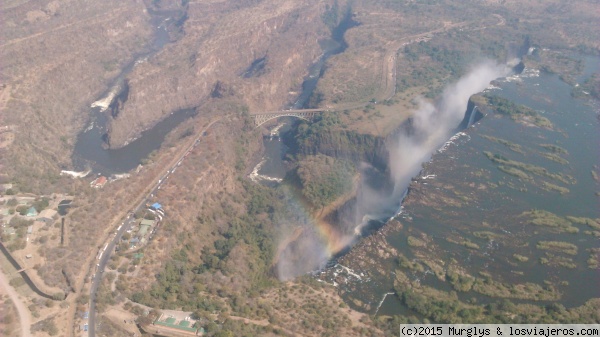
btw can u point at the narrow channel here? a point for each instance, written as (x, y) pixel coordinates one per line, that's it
(91, 150)
(272, 167)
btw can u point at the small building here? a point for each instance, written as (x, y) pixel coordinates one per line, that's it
(156, 206)
(31, 212)
(28, 256)
(99, 182)
(30, 229)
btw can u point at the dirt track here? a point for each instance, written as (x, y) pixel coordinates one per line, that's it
(24, 315)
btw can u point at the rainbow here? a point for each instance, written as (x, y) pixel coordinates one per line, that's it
(317, 242)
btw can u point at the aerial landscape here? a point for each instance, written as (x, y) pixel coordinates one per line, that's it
(297, 167)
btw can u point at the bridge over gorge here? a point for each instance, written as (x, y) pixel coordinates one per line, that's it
(306, 114)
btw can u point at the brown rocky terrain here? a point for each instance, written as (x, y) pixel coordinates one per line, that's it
(57, 57)
(221, 41)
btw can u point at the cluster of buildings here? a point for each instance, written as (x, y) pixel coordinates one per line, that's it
(147, 227)
(44, 218)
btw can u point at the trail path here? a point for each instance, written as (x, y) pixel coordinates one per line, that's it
(24, 315)
(387, 86)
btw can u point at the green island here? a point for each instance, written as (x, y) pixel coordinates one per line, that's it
(528, 168)
(558, 247)
(549, 220)
(517, 112)
(324, 179)
(512, 146)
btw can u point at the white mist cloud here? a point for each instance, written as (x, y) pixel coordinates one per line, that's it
(433, 124)
(304, 254)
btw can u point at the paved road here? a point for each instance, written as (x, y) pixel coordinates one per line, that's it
(114, 239)
(24, 317)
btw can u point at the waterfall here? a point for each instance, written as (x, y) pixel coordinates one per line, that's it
(472, 116)
(381, 302)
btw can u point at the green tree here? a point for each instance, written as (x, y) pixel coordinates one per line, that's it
(224, 333)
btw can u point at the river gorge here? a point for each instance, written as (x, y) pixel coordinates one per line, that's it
(421, 218)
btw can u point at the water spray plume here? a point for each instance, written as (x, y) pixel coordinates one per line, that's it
(432, 125)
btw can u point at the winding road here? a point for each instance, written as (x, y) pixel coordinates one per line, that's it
(109, 247)
(24, 315)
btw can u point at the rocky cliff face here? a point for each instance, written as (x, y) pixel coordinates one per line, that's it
(348, 145)
(57, 57)
(220, 42)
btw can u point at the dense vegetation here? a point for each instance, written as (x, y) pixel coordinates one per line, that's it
(443, 62)
(233, 275)
(517, 112)
(327, 136)
(324, 179)
(181, 283)
(447, 308)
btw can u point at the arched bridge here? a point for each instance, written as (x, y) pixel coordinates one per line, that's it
(306, 114)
